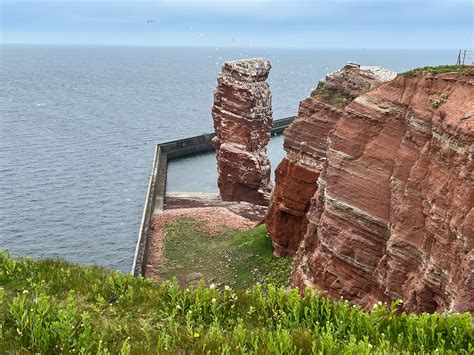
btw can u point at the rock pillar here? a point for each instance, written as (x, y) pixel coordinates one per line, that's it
(242, 114)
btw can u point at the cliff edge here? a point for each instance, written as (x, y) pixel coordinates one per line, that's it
(391, 189)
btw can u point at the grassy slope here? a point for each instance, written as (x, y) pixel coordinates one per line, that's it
(330, 96)
(51, 306)
(231, 258)
(441, 69)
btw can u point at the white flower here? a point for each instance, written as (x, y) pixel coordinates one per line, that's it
(227, 288)
(213, 300)
(212, 286)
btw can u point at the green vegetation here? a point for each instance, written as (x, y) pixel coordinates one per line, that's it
(329, 95)
(238, 259)
(441, 100)
(50, 306)
(441, 69)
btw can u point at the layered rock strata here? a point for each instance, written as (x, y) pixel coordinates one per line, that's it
(392, 216)
(242, 114)
(305, 142)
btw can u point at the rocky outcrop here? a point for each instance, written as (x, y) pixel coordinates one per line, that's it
(305, 142)
(242, 115)
(392, 215)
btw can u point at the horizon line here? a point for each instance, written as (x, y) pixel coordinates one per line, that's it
(217, 46)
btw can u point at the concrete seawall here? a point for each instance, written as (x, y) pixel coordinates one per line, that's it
(156, 192)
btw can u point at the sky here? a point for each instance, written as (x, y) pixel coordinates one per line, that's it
(430, 24)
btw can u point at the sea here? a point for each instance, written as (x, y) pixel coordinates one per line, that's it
(78, 125)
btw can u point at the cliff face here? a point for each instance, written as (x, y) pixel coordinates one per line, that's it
(392, 213)
(305, 142)
(242, 115)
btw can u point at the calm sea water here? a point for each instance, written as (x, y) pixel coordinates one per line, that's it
(78, 126)
(182, 178)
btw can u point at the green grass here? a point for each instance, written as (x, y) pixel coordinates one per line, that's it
(52, 307)
(238, 259)
(441, 69)
(330, 96)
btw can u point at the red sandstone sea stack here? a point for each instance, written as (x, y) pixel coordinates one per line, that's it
(242, 115)
(391, 216)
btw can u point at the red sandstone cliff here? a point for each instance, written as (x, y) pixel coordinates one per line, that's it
(391, 216)
(242, 115)
(305, 142)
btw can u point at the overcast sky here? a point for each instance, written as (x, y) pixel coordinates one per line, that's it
(243, 23)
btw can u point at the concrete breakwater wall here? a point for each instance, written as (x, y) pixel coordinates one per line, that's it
(155, 196)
